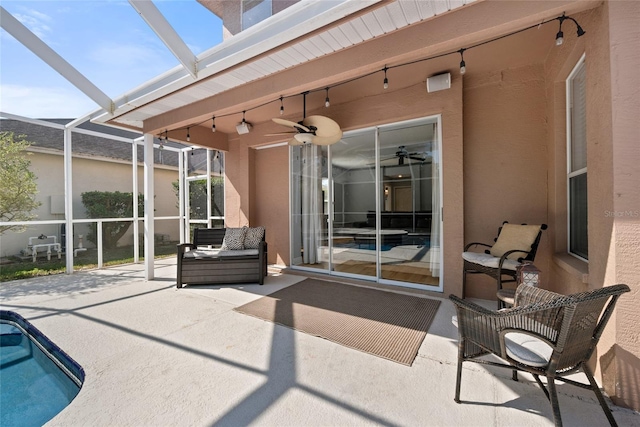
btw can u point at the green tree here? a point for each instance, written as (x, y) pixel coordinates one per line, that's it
(110, 204)
(198, 196)
(18, 186)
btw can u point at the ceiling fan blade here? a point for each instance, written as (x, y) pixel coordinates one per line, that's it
(280, 133)
(289, 123)
(327, 140)
(324, 125)
(327, 131)
(388, 158)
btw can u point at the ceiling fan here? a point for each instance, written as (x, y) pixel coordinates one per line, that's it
(403, 154)
(319, 130)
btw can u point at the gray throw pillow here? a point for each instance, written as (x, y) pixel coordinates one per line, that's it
(253, 237)
(233, 239)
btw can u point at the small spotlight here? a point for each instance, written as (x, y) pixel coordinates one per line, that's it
(243, 127)
(326, 101)
(213, 124)
(385, 84)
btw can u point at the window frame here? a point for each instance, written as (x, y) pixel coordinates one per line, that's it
(579, 67)
(242, 12)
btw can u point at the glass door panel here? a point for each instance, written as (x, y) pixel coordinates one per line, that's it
(409, 193)
(309, 207)
(353, 233)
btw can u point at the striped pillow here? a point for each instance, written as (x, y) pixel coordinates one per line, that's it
(233, 239)
(253, 237)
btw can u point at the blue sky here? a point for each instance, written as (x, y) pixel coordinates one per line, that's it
(105, 40)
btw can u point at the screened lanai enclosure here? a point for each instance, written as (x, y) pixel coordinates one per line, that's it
(91, 184)
(369, 207)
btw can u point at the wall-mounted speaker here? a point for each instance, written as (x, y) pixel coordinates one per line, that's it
(439, 82)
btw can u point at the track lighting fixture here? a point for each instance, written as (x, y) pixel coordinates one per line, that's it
(281, 107)
(560, 34)
(188, 136)
(326, 101)
(243, 127)
(213, 124)
(463, 66)
(386, 80)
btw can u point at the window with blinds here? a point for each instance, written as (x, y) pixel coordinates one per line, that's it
(577, 162)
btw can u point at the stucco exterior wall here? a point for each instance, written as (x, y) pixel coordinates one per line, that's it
(505, 156)
(614, 202)
(272, 166)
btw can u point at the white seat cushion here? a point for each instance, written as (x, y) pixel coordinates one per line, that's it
(239, 252)
(202, 253)
(527, 349)
(489, 260)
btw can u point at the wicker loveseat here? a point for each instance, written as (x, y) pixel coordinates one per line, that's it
(210, 260)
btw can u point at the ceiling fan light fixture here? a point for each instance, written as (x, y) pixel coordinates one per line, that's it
(304, 138)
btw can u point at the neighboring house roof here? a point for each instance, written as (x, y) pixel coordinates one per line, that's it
(50, 138)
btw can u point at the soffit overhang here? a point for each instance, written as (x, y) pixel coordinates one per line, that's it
(237, 61)
(290, 67)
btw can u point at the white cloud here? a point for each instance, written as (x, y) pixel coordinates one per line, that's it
(44, 102)
(35, 21)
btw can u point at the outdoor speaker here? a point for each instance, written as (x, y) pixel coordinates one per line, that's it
(439, 82)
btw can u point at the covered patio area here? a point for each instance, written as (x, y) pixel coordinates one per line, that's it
(156, 355)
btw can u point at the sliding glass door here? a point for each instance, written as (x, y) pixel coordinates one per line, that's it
(354, 243)
(369, 206)
(409, 185)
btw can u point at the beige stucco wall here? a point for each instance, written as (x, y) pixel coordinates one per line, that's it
(515, 141)
(505, 155)
(613, 156)
(272, 166)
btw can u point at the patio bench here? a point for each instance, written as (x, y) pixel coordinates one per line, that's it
(211, 259)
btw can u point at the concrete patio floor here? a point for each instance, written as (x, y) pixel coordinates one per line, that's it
(155, 355)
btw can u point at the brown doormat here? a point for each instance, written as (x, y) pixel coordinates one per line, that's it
(381, 323)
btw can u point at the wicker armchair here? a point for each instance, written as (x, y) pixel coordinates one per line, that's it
(514, 244)
(545, 334)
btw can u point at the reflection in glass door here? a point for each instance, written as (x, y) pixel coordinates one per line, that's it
(375, 212)
(409, 218)
(353, 237)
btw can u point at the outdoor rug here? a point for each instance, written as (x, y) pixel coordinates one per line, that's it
(381, 323)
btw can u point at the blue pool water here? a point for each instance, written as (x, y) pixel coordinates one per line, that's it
(37, 379)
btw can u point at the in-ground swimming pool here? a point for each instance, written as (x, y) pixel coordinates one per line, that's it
(37, 379)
